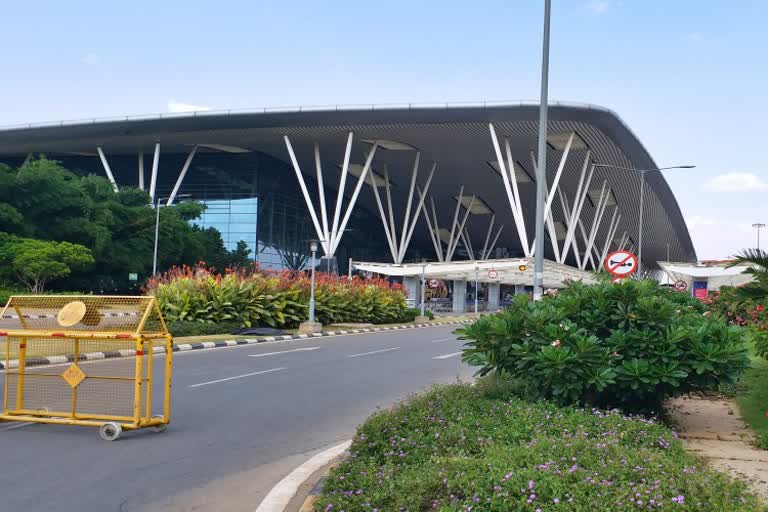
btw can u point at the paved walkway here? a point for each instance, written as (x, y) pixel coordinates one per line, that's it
(713, 429)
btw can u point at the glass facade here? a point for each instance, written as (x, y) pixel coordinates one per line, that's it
(249, 197)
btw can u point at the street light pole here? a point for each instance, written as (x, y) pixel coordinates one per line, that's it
(423, 286)
(642, 203)
(476, 286)
(158, 205)
(157, 233)
(541, 166)
(758, 226)
(313, 248)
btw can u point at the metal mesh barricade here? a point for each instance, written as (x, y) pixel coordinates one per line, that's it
(91, 360)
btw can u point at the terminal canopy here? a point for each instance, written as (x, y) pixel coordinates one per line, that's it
(512, 271)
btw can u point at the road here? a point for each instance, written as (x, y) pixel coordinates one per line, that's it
(240, 424)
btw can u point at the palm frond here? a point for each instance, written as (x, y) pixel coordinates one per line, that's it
(752, 257)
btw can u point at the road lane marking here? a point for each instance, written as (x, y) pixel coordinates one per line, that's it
(374, 352)
(444, 339)
(236, 377)
(281, 494)
(283, 352)
(17, 425)
(446, 356)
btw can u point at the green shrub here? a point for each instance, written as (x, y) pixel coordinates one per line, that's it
(410, 314)
(253, 297)
(181, 328)
(629, 345)
(480, 448)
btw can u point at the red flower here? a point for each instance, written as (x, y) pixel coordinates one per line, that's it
(760, 308)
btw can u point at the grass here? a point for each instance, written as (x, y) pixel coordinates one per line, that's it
(752, 397)
(483, 448)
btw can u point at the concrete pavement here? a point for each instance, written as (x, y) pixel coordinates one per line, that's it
(243, 417)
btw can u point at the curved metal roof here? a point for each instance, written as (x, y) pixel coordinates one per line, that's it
(455, 136)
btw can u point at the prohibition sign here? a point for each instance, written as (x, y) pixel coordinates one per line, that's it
(492, 274)
(434, 283)
(681, 286)
(621, 263)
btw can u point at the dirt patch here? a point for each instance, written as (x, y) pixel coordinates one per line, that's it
(712, 428)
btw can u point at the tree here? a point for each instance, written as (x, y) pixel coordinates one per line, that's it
(757, 289)
(35, 262)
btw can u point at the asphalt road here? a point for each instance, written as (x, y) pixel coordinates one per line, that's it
(240, 424)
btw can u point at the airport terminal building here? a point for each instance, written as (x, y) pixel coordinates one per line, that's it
(387, 184)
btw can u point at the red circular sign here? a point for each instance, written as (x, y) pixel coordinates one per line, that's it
(492, 274)
(621, 263)
(434, 283)
(681, 286)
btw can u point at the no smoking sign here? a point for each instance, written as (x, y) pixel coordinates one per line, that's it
(621, 263)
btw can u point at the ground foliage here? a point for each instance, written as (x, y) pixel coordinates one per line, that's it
(482, 448)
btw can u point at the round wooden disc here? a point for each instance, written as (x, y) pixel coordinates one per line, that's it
(71, 313)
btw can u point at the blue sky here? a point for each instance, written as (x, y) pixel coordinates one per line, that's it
(688, 76)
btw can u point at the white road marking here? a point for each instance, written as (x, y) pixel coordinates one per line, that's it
(16, 425)
(444, 339)
(283, 352)
(281, 494)
(446, 356)
(374, 352)
(236, 377)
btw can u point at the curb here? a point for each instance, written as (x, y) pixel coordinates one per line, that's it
(280, 496)
(201, 345)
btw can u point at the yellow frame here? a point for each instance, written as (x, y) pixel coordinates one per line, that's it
(142, 399)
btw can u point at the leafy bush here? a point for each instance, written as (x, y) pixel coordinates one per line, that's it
(181, 328)
(255, 297)
(630, 344)
(410, 314)
(480, 448)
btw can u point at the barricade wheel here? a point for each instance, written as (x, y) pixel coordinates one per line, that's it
(110, 431)
(162, 427)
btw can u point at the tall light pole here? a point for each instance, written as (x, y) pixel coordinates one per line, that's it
(158, 205)
(313, 249)
(477, 270)
(642, 201)
(423, 286)
(758, 226)
(541, 166)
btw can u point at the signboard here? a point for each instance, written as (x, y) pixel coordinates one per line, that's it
(621, 263)
(133, 276)
(434, 283)
(681, 286)
(700, 289)
(493, 274)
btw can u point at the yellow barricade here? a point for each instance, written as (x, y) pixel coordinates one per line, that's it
(86, 360)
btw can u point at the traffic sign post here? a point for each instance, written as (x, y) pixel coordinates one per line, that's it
(621, 263)
(681, 286)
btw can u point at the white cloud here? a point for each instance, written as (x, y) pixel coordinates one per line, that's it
(598, 6)
(91, 59)
(717, 239)
(695, 36)
(177, 106)
(737, 182)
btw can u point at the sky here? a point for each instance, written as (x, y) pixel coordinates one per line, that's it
(688, 76)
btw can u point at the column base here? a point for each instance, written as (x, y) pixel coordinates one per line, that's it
(310, 327)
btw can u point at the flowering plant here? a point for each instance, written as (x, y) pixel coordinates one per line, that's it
(254, 296)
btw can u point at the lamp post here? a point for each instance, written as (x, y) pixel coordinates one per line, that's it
(758, 226)
(158, 205)
(541, 166)
(477, 270)
(313, 249)
(423, 286)
(642, 201)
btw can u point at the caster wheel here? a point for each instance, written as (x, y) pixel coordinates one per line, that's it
(162, 427)
(110, 431)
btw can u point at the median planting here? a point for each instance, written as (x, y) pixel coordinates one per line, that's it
(252, 296)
